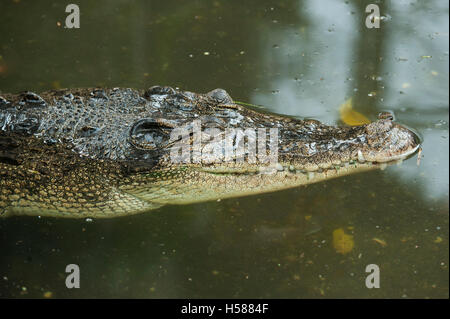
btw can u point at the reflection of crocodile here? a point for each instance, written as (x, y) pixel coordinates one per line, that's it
(107, 152)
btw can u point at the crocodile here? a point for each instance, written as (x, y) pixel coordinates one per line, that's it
(100, 153)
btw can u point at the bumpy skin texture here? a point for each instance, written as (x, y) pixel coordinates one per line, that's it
(106, 152)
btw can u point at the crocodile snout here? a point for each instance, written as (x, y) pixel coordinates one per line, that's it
(388, 141)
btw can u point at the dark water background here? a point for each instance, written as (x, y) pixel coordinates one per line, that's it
(302, 58)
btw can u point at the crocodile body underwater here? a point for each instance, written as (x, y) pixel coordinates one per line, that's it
(112, 152)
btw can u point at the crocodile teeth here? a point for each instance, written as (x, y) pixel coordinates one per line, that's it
(361, 157)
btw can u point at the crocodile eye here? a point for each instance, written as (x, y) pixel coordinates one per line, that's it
(148, 134)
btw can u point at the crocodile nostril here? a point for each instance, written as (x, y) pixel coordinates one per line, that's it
(386, 115)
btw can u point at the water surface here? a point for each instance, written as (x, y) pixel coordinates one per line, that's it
(302, 58)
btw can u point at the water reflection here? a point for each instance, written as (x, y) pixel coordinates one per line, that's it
(309, 66)
(314, 68)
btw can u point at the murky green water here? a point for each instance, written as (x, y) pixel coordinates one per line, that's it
(302, 58)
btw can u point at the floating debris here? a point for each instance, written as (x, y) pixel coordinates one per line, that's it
(350, 116)
(406, 85)
(438, 240)
(382, 242)
(342, 242)
(48, 294)
(405, 239)
(386, 18)
(422, 57)
(419, 156)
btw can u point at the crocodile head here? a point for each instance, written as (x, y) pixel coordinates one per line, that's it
(105, 153)
(230, 160)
